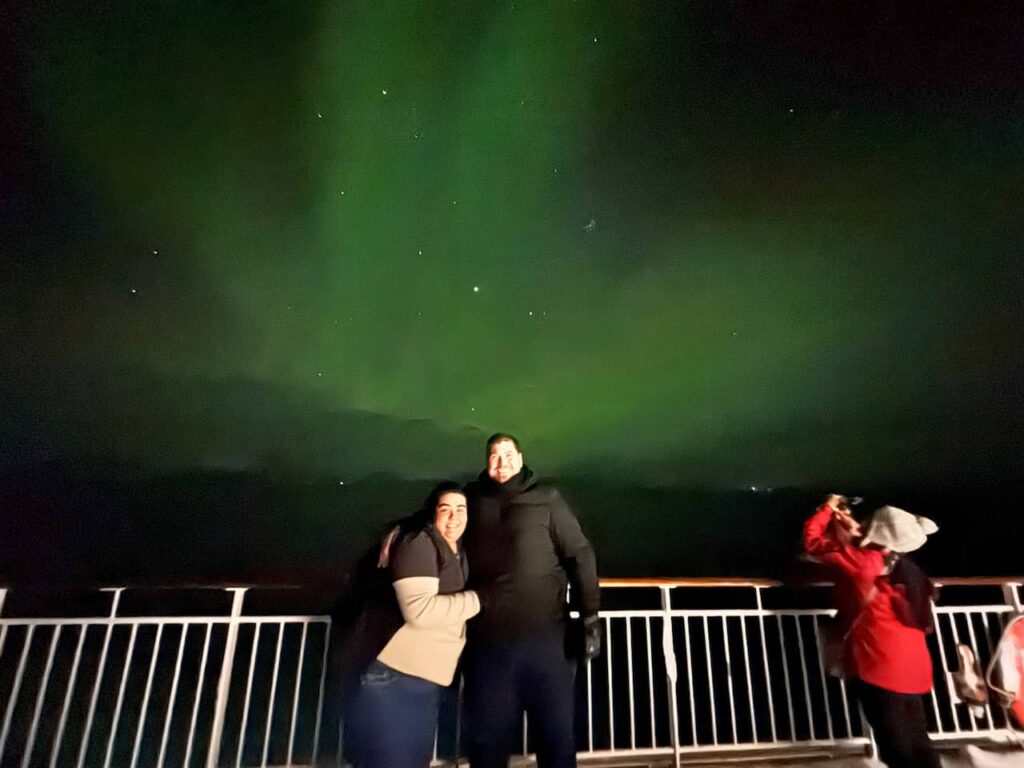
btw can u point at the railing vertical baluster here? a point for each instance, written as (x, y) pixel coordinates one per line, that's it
(145, 698)
(764, 660)
(942, 655)
(629, 664)
(969, 615)
(199, 696)
(298, 687)
(120, 696)
(611, 692)
(689, 679)
(821, 672)
(728, 678)
(525, 752)
(3, 630)
(66, 708)
(669, 653)
(94, 698)
(750, 684)
(248, 693)
(320, 697)
(16, 689)
(3, 640)
(990, 642)
(40, 697)
(172, 699)
(650, 679)
(806, 675)
(590, 706)
(846, 708)
(946, 667)
(273, 694)
(711, 683)
(974, 648)
(935, 709)
(785, 672)
(224, 681)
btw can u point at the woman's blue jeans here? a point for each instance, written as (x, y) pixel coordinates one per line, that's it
(394, 719)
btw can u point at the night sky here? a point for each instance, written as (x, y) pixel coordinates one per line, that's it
(713, 243)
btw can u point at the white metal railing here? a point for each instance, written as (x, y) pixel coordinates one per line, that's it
(751, 679)
(675, 680)
(117, 690)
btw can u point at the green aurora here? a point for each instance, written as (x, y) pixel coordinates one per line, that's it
(706, 242)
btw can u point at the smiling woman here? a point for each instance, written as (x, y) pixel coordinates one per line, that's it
(396, 704)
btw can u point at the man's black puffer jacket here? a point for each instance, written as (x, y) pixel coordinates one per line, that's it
(524, 545)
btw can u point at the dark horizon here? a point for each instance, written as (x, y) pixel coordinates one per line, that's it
(124, 526)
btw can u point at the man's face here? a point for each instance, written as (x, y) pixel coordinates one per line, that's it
(504, 461)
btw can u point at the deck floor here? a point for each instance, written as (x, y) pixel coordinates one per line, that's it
(959, 757)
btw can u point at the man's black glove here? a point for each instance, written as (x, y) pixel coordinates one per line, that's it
(591, 638)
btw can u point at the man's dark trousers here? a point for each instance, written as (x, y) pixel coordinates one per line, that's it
(531, 673)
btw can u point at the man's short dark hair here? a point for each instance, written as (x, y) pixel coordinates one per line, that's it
(500, 437)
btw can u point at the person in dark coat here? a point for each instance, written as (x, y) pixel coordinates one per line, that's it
(526, 547)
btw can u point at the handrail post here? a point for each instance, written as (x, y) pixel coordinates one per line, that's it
(115, 598)
(668, 649)
(1011, 594)
(224, 683)
(3, 598)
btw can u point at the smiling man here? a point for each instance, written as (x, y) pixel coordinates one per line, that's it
(526, 547)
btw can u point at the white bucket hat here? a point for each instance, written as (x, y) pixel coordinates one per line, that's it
(898, 530)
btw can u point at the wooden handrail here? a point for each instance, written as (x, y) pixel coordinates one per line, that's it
(688, 582)
(708, 582)
(978, 581)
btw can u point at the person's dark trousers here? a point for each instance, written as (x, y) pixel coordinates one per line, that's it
(502, 681)
(899, 725)
(393, 720)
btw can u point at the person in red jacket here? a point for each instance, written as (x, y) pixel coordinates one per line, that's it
(884, 602)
